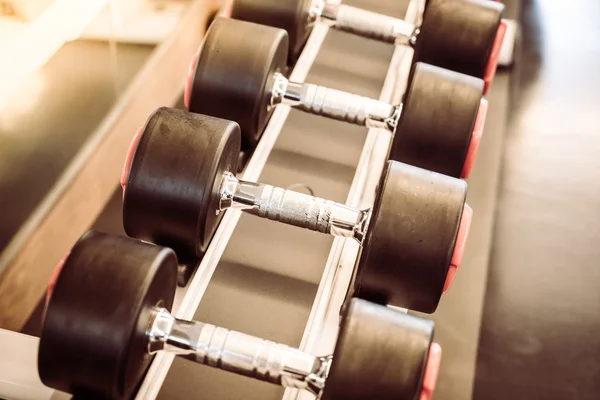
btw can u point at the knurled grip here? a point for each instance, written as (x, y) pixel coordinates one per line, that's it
(366, 23)
(294, 208)
(252, 356)
(343, 106)
(239, 353)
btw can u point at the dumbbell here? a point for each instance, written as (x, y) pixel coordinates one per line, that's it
(460, 35)
(237, 75)
(179, 180)
(108, 314)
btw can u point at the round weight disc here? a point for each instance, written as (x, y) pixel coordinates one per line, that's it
(93, 341)
(234, 74)
(437, 120)
(380, 354)
(174, 177)
(411, 238)
(290, 15)
(459, 35)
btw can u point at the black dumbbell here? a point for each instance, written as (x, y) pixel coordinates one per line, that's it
(179, 180)
(108, 313)
(237, 75)
(459, 35)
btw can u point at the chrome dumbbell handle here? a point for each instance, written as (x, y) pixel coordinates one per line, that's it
(368, 24)
(293, 208)
(335, 104)
(237, 352)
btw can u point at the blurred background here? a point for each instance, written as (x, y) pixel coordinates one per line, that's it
(523, 321)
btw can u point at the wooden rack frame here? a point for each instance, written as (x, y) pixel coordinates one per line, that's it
(85, 187)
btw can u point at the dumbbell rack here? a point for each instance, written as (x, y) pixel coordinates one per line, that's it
(321, 327)
(321, 330)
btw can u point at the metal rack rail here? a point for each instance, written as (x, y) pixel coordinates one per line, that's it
(322, 327)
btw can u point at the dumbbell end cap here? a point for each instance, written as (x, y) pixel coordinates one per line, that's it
(475, 140)
(129, 158)
(431, 371)
(54, 278)
(459, 247)
(227, 7)
(490, 70)
(190, 79)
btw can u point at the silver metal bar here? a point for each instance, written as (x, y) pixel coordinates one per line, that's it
(368, 24)
(293, 208)
(237, 352)
(188, 298)
(335, 104)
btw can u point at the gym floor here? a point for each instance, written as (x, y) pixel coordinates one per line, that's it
(538, 332)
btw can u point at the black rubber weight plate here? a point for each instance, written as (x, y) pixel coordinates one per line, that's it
(409, 244)
(290, 15)
(459, 34)
(380, 354)
(93, 340)
(438, 116)
(235, 72)
(171, 193)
